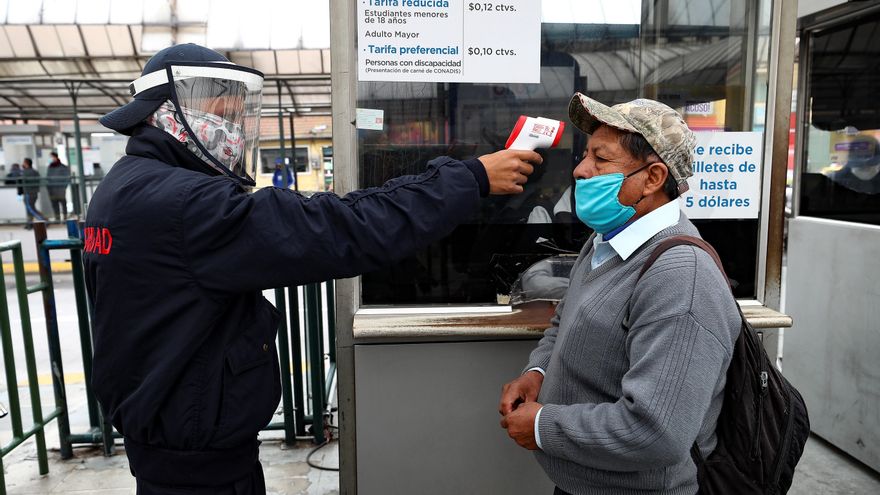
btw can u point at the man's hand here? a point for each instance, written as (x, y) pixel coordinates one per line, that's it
(523, 389)
(520, 425)
(508, 170)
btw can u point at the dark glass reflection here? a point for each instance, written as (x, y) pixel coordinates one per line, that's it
(841, 173)
(481, 259)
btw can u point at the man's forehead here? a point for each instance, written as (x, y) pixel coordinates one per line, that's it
(608, 142)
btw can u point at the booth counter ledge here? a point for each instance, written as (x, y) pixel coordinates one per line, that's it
(489, 323)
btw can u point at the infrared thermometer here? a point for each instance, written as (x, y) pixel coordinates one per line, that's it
(531, 133)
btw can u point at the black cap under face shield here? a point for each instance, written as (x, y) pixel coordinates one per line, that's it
(218, 104)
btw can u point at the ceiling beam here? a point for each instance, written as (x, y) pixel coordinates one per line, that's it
(16, 105)
(106, 93)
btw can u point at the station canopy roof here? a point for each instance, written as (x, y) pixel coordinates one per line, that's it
(49, 48)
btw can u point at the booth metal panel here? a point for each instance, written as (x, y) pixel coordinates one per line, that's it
(833, 267)
(429, 424)
(831, 357)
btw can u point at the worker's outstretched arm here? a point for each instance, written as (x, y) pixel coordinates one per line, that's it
(276, 237)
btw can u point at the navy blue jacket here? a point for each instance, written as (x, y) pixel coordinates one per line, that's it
(185, 364)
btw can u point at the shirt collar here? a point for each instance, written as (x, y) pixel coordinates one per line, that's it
(637, 233)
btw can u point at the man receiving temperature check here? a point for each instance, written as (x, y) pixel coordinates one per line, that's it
(629, 375)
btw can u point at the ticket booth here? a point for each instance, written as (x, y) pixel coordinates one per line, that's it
(425, 346)
(17, 142)
(833, 267)
(101, 149)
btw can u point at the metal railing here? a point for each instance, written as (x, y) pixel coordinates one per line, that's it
(37, 429)
(290, 352)
(295, 389)
(100, 431)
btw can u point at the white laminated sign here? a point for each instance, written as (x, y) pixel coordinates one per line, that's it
(449, 41)
(370, 119)
(727, 176)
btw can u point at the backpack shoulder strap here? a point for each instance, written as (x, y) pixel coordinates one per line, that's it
(665, 245)
(682, 240)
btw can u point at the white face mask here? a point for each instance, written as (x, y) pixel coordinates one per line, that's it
(866, 173)
(223, 139)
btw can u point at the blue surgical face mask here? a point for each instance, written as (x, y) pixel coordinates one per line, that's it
(596, 201)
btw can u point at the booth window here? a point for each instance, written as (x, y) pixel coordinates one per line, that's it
(706, 59)
(327, 156)
(840, 176)
(269, 157)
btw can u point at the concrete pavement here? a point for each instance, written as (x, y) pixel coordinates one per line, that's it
(89, 472)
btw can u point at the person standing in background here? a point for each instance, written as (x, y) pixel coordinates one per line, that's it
(13, 178)
(58, 177)
(30, 187)
(278, 176)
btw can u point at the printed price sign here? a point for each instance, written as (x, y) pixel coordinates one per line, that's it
(449, 41)
(727, 176)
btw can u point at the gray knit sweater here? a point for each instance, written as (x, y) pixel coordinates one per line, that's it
(622, 408)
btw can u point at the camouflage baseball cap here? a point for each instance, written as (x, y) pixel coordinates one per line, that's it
(660, 125)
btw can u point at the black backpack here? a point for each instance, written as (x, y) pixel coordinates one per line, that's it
(763, 424)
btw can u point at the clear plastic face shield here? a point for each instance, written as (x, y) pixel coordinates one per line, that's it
(219, 106)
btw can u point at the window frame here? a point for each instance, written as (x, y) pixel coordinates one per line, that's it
(808, 27)
(308, 169)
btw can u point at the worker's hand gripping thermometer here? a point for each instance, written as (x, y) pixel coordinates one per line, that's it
(531, 133)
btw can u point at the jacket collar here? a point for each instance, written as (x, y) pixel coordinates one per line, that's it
(149, 142)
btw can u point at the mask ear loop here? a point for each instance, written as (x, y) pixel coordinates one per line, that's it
(627, 176)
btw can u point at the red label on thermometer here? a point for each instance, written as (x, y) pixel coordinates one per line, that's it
(531, 133)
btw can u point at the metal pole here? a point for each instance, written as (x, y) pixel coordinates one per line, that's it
(293, 150)
(53, 340)
(784, 33)
(79, 207)
(284, 361)
(284, 168)
(343, 40)
(85, 334)
(319, 336)
(316, 360)
(75, 229)
(296, 350)
(96, 419)
(331, 321)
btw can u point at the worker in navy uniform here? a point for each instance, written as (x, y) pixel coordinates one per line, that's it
(178, 250)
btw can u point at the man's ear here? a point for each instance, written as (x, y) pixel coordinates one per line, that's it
(657, 173)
